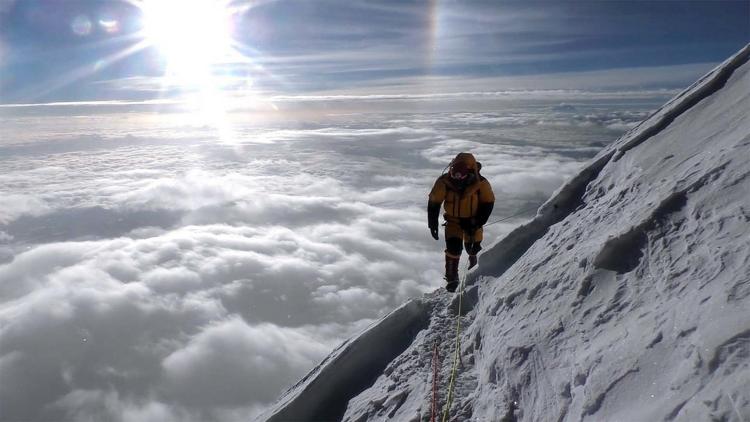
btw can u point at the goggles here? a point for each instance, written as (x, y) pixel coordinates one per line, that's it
(459, 174)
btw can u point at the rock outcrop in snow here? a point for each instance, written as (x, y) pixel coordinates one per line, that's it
(627, 298)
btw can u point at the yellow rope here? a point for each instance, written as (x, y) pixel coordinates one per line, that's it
(457, 351)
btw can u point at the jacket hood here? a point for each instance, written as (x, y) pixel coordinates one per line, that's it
(467, 159)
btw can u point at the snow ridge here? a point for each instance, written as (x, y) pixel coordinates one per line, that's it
(352, 367)
(703, 88)
(569, 197)
(627, 297)
(495, 261)
(624, 310)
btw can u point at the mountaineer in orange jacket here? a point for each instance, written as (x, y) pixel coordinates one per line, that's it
(467, 200)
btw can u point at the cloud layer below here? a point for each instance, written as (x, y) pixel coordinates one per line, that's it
(150, 272)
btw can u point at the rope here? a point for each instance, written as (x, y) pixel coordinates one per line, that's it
(514, 215)
(457, 352)
(435, 374)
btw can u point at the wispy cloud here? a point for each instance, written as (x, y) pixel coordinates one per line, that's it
(98, 103)
(657, 83)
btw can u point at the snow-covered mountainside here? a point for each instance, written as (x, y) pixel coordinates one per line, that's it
(627, 298)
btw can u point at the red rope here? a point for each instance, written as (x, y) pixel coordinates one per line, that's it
(435, 374)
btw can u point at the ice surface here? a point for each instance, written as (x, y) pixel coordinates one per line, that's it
(627, 298)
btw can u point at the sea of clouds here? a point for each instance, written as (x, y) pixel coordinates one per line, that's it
(153, 269)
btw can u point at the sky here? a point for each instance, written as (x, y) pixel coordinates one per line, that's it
(200, 202)
(84, 50)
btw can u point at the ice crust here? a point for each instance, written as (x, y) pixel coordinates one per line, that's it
(627, 297)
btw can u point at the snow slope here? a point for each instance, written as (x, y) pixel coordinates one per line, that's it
(627, 298)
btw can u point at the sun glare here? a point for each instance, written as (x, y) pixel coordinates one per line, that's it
(193, 36)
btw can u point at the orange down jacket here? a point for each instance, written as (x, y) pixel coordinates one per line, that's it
(472, 201)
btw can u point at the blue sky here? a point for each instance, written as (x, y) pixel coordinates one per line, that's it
(83, 50)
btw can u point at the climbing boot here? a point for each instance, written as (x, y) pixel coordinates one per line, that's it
(451, 273)
(472, 261)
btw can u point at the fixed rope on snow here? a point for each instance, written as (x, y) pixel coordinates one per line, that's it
(435, 375)
(514, 215)
(457, 351)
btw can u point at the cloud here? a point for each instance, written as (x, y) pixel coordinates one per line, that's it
(167, 273)
(145, 322)
(655, 82)
(5, 237)
(16, 205)
(626, 81)
(100, 103)
(93, 405)
(231, 363)
(477, 95)
(356, 302)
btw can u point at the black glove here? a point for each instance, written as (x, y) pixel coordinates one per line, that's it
(433, 211)
(468, 225)
(483, 213)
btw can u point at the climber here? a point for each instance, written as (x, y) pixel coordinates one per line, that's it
(468, 201)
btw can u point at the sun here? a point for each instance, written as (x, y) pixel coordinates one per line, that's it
(195, 39)
(193, 36)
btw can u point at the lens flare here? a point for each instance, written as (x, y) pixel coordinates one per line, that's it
(110, 26)
(81, 25)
